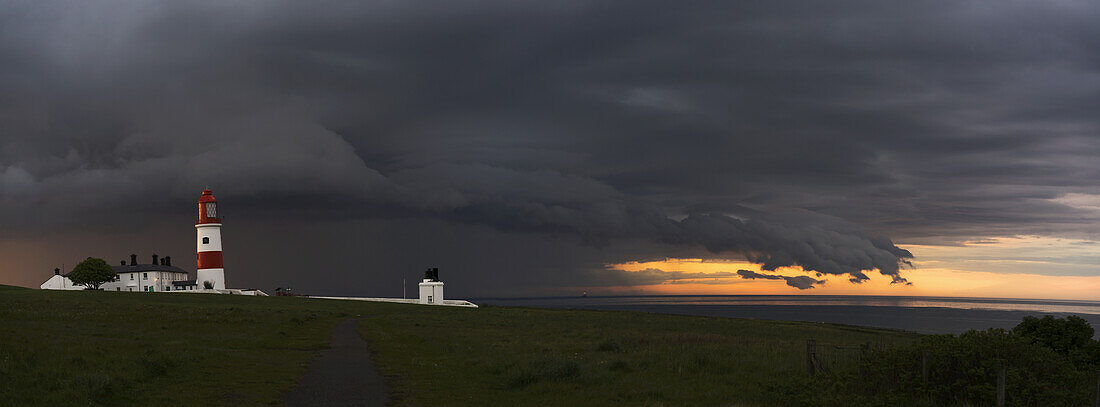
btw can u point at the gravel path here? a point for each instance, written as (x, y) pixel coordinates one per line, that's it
(342, 376)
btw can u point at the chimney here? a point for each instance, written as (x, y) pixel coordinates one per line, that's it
(154, 259)
(57, 272)
(124, 262)
(431, 274)
(168, 261)
(133, 259)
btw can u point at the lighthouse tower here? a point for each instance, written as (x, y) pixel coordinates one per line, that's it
(209, 227)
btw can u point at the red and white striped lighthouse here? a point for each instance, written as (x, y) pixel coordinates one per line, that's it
(209, 226)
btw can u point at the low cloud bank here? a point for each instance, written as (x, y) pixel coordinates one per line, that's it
(799, 282)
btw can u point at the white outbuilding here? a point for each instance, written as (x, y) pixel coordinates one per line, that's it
(60, 282)
(431, 293)
(431, 289)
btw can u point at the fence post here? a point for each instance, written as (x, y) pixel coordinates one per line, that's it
(1097, 402)
(864, 357)
(811, 356)
(1001, 387)
(924, 365)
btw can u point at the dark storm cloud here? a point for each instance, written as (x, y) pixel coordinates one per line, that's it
(799, 282)
(788, 133)
(657, 276)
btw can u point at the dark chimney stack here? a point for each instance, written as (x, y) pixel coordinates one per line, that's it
(124, 262)
(154, 259)
(431, 274)
(168, 261)
(133, 259)
(56, 272)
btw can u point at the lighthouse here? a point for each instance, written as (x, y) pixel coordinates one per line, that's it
(209, 228)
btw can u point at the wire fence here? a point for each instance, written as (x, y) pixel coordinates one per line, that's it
(880, 367)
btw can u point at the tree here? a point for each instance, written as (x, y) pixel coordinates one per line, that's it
(209, 285)
(1062, 335)
(91, 273)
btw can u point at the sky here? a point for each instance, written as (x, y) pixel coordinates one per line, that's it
(551, 148)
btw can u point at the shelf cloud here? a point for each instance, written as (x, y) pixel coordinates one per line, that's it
(786, 134)
(799, 282)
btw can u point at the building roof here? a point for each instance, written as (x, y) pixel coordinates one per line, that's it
(141, 267)
(147, 267)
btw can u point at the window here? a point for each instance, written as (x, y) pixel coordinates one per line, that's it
(206, 240)
(211, 210)
(429, 299)
(131, 277)
(118, 288)
(144, 276)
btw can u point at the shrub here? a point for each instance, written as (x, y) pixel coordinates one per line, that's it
(1061, 335)
(548, 369)
(1046, 363)
(609, 345)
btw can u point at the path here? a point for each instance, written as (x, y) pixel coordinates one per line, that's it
(341, 376)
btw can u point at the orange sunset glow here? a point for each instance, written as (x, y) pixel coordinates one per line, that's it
(930, 281)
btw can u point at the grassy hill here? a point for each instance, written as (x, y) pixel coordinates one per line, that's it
(81, 348)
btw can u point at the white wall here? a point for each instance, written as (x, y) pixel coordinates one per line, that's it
(433, 289)
(215, 275)
(213, 231)
(142, 280)
(128, 281)
(59, 282)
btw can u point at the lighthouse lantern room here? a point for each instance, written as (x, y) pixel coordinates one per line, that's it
(211, 273)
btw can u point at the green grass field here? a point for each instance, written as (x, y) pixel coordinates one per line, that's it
(107, 348)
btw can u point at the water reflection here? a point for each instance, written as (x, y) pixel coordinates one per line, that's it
(997, 304)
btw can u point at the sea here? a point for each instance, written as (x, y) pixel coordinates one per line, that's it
(929, 315)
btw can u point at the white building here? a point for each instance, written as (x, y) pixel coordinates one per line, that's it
(431, 289)
(60, 282)
(154, 277)
(431, 293)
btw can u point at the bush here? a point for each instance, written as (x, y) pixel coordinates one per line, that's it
(609, 345)
(547, 369)
(1064, 336)
(1046, 363)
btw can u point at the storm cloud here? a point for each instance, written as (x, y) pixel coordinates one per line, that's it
(799, 282)
(784, 133)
